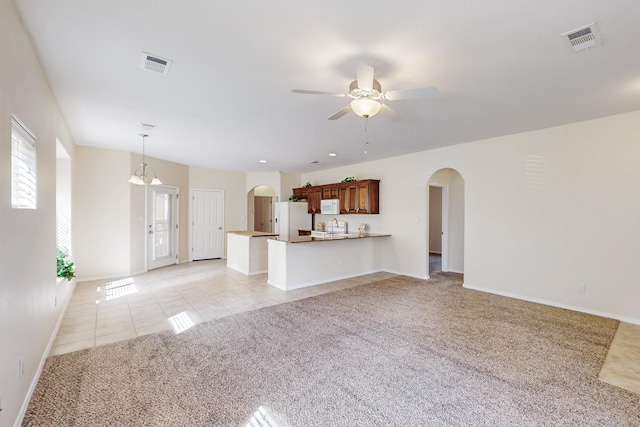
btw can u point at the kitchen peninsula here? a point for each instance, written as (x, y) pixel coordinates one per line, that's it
(247, 251)
(304, 261)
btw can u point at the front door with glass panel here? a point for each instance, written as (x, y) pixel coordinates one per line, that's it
(162, 231)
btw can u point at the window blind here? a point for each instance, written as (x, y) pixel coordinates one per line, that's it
(23, 167)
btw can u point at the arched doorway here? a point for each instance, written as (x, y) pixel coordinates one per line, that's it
(260, 208)
(446, 221)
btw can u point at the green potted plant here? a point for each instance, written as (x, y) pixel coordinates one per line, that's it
(66, 269)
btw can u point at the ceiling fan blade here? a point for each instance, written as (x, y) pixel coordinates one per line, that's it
(315, 92)
(341, 113)
(390, 113)
(364, 74)
(420, 93)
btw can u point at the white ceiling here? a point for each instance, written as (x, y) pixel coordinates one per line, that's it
(501, 67)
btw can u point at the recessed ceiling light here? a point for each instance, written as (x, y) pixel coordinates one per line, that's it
(332, 154)
(263, 161)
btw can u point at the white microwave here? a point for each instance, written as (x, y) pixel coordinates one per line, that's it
(329, 207)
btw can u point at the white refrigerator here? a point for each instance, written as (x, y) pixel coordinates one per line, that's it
(291, 217)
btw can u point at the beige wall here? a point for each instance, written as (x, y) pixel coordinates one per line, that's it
(281, 182)
(101, 213)
(256, 179)
(109, 213)
(544, 211)
(288, 181)
(28, 285)
(264, 191)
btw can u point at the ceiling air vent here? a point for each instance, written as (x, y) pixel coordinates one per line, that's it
(583, 38)
(148, 126)
(155, 63)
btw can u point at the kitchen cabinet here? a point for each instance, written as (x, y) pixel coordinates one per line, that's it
(301, 193)
(331, 191)
(314, 197)
(356, 197)
(348, 198)
(368, 196)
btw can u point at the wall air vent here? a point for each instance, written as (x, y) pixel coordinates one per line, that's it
(155, 63)
(583, 38)
(148, 126)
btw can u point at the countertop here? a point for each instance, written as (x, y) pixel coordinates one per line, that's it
(252, 233)
(352, 236)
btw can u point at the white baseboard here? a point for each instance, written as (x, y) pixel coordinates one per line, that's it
(43, 359)
(625, 319)
(320, 282)
(110, 276)
(253, 273)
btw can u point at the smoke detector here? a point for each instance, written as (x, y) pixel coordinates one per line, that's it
(155, 63)
(582, 38)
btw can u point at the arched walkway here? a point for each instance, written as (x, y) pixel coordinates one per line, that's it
(445, 217)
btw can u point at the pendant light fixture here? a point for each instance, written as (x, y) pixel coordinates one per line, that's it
(140, 177)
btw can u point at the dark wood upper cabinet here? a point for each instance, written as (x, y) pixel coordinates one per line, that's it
(301, 193)
(314, 197)
(331, 191)
(356, 197)
(368, 196)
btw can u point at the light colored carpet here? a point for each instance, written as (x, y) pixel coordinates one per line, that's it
(401, 351)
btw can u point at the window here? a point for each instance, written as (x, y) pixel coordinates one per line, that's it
(23, 167)
(63, 197)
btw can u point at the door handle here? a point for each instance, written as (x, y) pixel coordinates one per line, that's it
(150, 232)
(219, 228)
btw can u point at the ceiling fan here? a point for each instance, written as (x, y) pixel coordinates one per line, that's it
(367, 95)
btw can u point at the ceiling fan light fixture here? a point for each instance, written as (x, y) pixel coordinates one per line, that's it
(365, 107)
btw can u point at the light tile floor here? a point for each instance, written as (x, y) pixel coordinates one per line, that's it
(171, 298)
(622, 365)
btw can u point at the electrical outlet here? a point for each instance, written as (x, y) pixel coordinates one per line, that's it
(581, 288)
(21, 367)
(55, 302)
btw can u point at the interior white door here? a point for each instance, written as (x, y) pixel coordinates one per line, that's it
(162, 226)
(207, 224)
